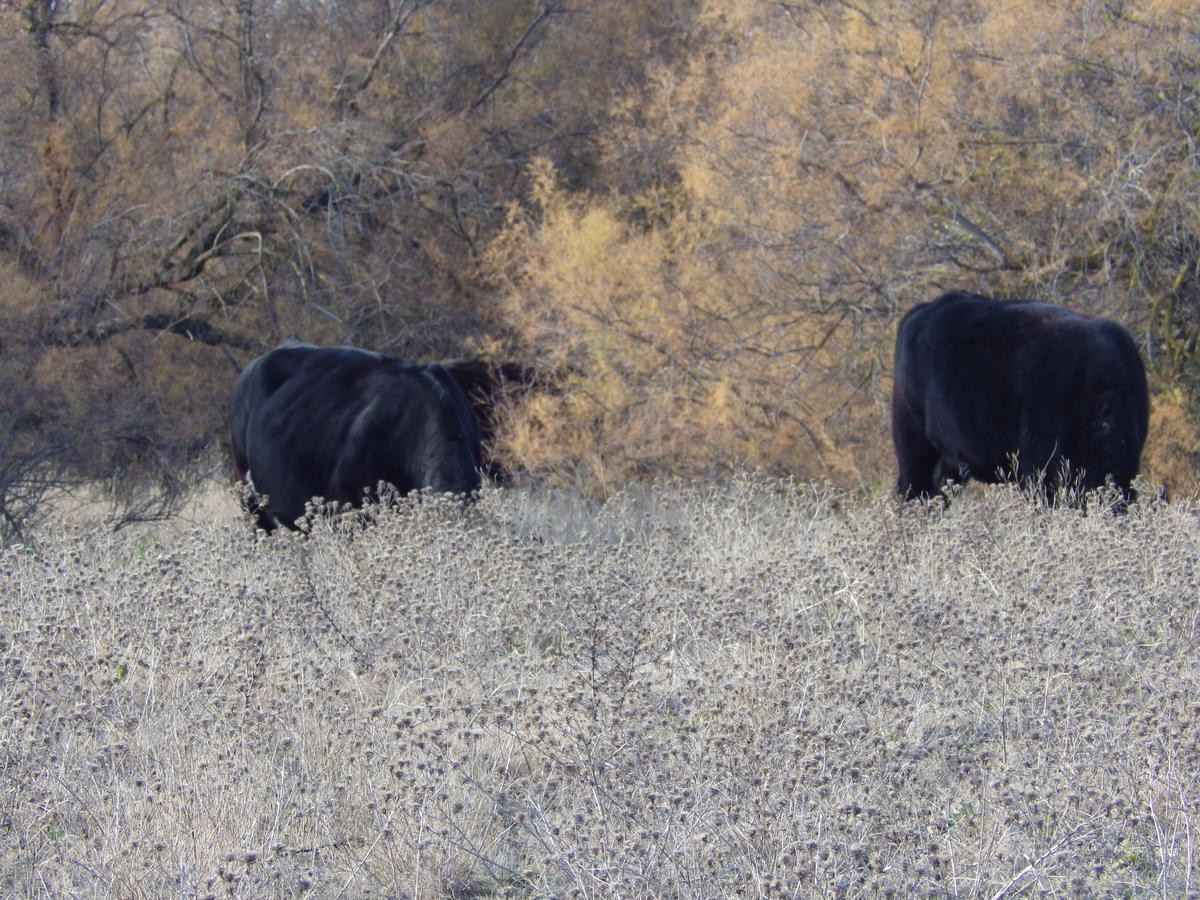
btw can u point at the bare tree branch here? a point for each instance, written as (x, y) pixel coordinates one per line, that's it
(191, 327)
(404, 11)
(542, 15)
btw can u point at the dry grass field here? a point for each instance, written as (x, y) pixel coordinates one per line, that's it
(763, 689)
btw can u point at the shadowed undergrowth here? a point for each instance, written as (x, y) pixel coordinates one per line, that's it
(766, 687)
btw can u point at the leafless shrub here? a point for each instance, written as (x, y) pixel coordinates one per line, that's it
(764, 688)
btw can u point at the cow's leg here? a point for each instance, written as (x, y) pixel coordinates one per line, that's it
(252, 502)
(916, 458)
(1040, 463)
(947, 473)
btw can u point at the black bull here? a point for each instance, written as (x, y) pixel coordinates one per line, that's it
(996, 390)
(334, 422)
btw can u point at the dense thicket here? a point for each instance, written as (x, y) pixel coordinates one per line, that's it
(772, 205)
(701, 218)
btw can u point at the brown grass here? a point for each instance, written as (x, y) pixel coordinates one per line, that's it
(762, 689)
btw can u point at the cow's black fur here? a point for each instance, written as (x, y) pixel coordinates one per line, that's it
(995, 390)
(334, 422)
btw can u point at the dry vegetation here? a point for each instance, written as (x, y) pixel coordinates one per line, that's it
(766, 688)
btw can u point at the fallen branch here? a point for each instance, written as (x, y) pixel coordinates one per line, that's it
(190, 327)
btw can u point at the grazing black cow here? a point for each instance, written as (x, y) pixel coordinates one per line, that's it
(334, 422)
(485, 384)
(992, 390)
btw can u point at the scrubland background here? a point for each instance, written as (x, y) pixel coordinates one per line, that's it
(758, 689)
(698, 220)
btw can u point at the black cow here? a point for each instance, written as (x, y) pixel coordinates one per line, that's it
(992, 390)
(334, 422)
